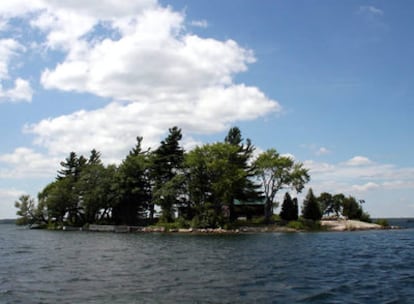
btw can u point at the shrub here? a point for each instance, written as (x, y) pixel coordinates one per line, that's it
(297, 225)
(382, 222)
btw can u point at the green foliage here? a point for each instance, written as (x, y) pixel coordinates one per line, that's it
(179, 223)
(365, 217)
(351, 209)
(311, 209)
(289, 210)
(167, 163)
(26, 206)
(133, 188)
(382, 222)
(312, 225)
(297, 225)
(213, 178)
(277, 172)
(348, 206)
(200, 186)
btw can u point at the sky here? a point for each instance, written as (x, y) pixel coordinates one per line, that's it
(329, 83)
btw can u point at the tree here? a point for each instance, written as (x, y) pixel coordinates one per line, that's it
(72, 166)
(351, 209)
(60, 200)
(167, 162)
(213, 180)
(133, 187)
(311, 209)
(326, 202)
(289, 210)
(246, 190)
(95, 186)
(68, 192)
(277, 172)
(26, 211)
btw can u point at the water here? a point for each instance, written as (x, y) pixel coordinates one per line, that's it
(79, 267)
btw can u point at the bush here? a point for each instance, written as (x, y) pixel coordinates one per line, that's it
(297, 225)
(382, 222)
(365, 217)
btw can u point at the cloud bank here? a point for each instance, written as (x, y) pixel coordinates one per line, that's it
(138, 56)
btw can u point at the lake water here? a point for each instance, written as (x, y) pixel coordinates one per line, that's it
(79, 267)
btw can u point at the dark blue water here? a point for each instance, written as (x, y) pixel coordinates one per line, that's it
(79, 267)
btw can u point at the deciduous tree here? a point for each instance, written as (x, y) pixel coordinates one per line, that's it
(278, 172)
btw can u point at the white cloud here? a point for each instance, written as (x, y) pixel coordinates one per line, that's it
(322, 151)
(25, 163)
(138, 55)
(8, 48)
(17, 8)
(113, 128)
(150, 61)
(22, 91)
(365, 187)
(371, 10)
(157, 76)
(7, 199)
(358, 175)
(359, 161)
(199, 23)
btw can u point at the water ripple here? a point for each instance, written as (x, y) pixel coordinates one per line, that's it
(76, 267)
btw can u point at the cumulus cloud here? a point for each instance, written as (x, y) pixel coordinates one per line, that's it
(22, 90)
(26, 163)
(152, 73)
(358, 175)
(113, 129)
(156, 74)
(151, 61)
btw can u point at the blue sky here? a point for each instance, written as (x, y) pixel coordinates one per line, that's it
(328, 82)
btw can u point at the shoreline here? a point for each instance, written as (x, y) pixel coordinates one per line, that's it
(326, 226)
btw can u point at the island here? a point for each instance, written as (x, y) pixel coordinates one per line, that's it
(221, 186)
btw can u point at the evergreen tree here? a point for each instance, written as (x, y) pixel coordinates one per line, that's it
(246, 190)
(134, 191)
(167, 163)
(295, 209)
(95, 186)
(289, 210)
(311, 209)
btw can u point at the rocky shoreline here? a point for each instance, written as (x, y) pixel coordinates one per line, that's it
(352, 225)
(326, 225)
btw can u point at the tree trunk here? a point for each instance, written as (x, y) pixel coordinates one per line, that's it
(268, 211)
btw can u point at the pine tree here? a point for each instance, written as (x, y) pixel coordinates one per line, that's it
(133, 187)
(311, 209)
(167, 164)
(289, 210)
(245, 190)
